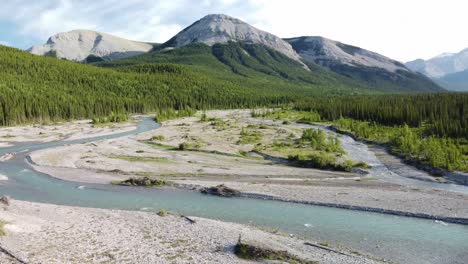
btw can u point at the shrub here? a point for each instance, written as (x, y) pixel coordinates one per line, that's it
(162, 212)
(183, 146)
(348, 165)
(158, 138)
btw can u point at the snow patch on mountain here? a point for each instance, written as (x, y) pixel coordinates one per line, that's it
(78, 45)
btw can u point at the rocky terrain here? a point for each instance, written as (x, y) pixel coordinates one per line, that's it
(89, 46)
(218, 28)
(327, 52)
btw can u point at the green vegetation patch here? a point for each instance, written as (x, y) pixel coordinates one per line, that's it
(249, 136)
(112, 118)
(2, 229)
(140, 159)
(168, 114)
(158, 138)
(162, 212)
(413, 144)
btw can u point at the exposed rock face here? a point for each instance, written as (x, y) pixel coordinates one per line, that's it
(442, 65)
(213, 29)
(328, 52)
(84, 45)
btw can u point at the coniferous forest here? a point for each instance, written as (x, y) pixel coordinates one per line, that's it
(42, 89)
(36, 88)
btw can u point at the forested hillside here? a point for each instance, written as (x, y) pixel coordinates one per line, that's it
(248, 65)
(34, 88)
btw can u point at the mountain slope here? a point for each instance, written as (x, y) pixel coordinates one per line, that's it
(441, 65)
(455, 82)
(89, 46)
(375, 70)
(221, 29)
(250, 65)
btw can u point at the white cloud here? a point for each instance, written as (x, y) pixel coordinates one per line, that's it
(144, 20)
(400, 29)
(4, 43)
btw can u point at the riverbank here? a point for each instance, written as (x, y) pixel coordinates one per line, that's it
(219, 159)
(85, 235)
(396, 200)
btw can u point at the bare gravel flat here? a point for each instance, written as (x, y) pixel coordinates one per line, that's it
(44, 233)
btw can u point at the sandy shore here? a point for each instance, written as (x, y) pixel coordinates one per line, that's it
(86, 235)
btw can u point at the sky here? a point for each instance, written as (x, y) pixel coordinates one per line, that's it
(401, 29)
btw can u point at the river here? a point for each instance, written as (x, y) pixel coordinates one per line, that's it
(401, 239)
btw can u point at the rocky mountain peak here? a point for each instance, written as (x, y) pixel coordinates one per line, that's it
(219, 28)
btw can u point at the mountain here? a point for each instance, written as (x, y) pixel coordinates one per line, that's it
(221, 29)
(362, 65)
(442, 65)
(89, 46)
(455, 81)
(232, 50)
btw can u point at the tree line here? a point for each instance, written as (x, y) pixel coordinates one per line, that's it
(443, 114)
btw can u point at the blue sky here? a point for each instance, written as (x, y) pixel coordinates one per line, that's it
(401, 29)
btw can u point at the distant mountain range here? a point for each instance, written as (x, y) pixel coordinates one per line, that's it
(246, 51)
(449, 69)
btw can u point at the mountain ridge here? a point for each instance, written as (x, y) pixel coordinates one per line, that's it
(441, 65)
(83, 45)
(360, 64)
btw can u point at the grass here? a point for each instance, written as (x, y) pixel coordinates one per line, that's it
(159, 145)
(158, 138)
(249, 136)
(2, 228)
(139, 159)
(362, 165)
(325, 244)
